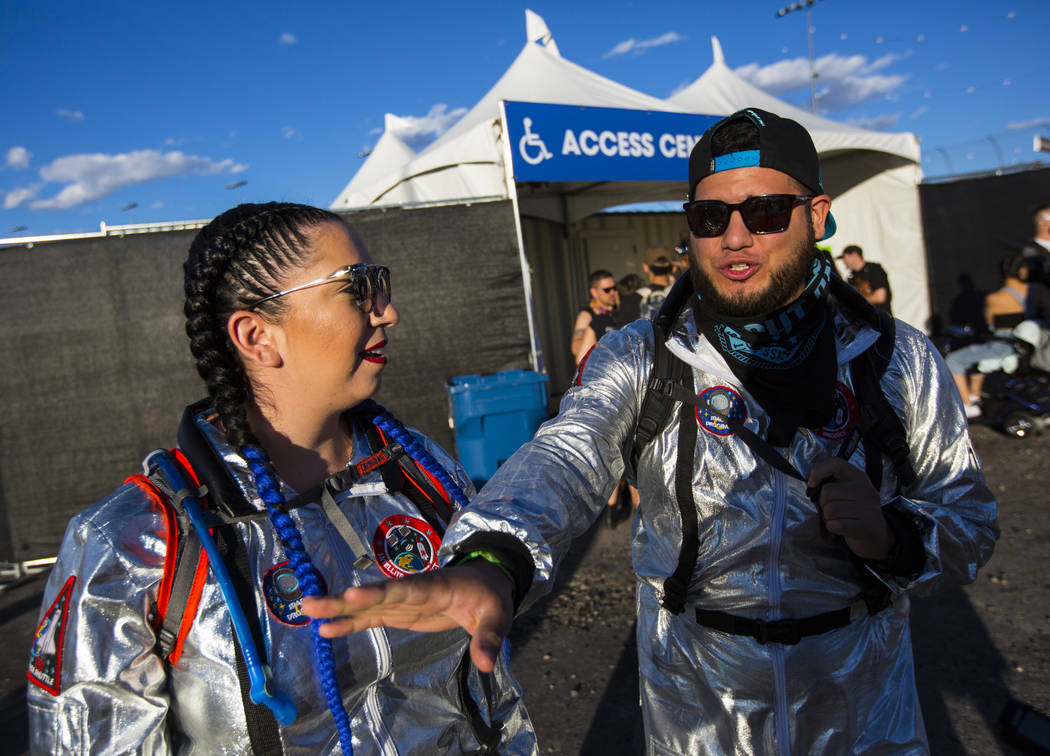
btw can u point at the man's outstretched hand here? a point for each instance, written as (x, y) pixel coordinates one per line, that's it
(474, 596)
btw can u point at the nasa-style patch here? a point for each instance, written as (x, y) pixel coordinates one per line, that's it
(45, 657)
(284, 594)
(403, 545)
(844, 416)
(717, 403)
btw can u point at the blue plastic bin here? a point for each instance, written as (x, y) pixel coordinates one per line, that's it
(492, 415)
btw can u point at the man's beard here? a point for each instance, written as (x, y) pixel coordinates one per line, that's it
(792, 277)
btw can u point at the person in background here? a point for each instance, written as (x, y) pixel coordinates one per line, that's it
(659, 266)
(868, 278)
(1038, 251)
(681, 260)
(1016, 301)
(287, 318)
(630, 299)
(598, 317)
(774, 564)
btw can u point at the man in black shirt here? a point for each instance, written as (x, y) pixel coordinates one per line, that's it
(867, 278)
(594, 320)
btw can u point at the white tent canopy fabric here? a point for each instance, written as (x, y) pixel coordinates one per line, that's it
(389, 153)
(871, 176)
(466, 162)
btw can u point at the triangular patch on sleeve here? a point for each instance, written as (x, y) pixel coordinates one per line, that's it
(45, 659)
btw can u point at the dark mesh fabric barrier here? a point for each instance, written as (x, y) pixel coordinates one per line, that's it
(971, 225)
(97, 369)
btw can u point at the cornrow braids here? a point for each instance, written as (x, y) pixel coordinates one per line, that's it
(242, 255)
(392, 427)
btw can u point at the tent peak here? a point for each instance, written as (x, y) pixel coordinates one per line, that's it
(536, 31)
(718, 59)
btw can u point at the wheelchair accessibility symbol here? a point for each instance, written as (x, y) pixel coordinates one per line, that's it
(533, 150)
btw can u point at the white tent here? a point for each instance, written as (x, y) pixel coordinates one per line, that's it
(872, 177)
(466, 162)
(389, 153)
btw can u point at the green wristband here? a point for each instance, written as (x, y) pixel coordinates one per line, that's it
(492, 559)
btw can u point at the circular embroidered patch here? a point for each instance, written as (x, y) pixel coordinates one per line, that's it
(283, 594)
(844, 416)
(403, 545)
(716, 404)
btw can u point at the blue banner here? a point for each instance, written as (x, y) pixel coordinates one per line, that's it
(574, 143)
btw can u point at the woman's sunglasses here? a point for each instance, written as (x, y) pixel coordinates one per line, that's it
(366, 281)
(767, 214)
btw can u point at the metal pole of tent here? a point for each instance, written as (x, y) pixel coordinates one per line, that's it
(526, 277)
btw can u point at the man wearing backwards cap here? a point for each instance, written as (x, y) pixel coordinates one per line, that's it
(763, 632)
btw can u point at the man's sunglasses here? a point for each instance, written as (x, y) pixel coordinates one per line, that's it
(608, 289)
(365, 280)
(766, 214)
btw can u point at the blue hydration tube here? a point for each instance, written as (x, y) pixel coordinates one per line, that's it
(262, 690)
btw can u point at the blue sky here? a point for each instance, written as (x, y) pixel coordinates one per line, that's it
(164, 106)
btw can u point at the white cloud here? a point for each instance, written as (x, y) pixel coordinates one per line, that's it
(289, 133)
(637, 46)
(1031, 123)
(17, 157)
(17, 197)
(70, 115)
(91, 177)
(417, 131)
(844, 80)
(918, 112)
(876, 123)
(287, 38)
(883, 61)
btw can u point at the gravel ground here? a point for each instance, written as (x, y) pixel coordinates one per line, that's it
(976, 646)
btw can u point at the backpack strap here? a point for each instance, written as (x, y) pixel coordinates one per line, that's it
(879, 425)
(185, 572)
(667, 371)
(186, 563)
(403, 474)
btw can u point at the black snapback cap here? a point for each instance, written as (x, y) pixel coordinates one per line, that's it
(784, 145)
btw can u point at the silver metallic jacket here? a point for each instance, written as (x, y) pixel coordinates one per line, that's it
(762, 554)
(116, 695)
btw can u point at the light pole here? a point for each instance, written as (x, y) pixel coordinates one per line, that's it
(128, 208)
(237, 185)
(807, 6)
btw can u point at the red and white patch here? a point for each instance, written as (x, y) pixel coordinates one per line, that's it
(45, 657)
(403, 545)
(845, 414)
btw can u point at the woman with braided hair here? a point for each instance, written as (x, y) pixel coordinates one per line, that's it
(146, 645)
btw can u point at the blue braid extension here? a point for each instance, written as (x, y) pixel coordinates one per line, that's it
(386, 423)
(324, 661)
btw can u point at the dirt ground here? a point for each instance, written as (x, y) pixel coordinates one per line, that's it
(976, 647)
